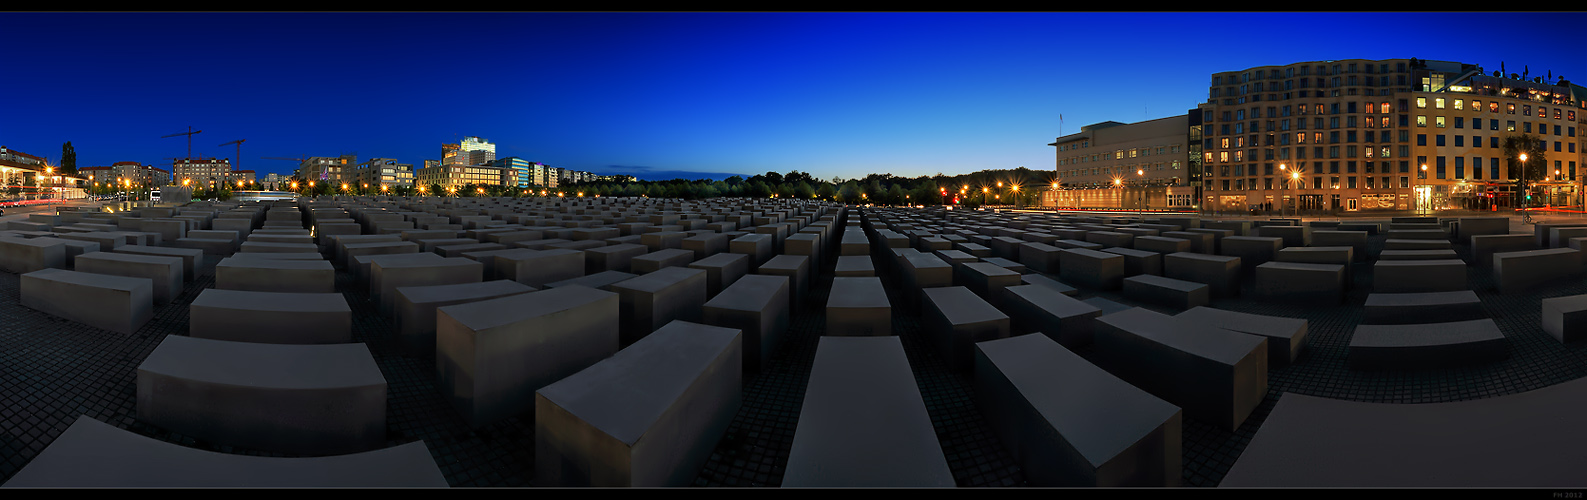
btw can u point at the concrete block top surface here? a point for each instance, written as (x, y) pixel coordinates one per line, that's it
(925, 260)
(1051, 300)
(1421, 263)
(864, 422)
(990, 269)
(255, 365)
(1093, 254)
(1426, 334)
(1170, 283)
(721, 259)
(785, 263)
(93, 454)
(1536, 253)
(1422, 299)
(961, 306)
(1302, 266)
(500, 311)
(1200, 339)
(1242, 322)
(272, 301)
(1097, 413)
(625, 394)
(750, 293)
(462, 291)
(128, 257)
(123, 283)
(277, 264)
(858, 292)
(1202, 257)
(1518, 440)
(661, 279)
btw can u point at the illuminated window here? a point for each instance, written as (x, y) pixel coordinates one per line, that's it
(1421, 120)
(1384, 108)
(1421, 102)
(1316, 137)
(1319, 109)
(1300, 138)
(1438, 103)
(1439, 122)
(1493, 107)
(1458, 104)
(1223, 157)
(1511, 108)
(1385, 122)
(1476, 105)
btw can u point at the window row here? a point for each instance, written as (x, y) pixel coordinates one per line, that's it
(1493, 107)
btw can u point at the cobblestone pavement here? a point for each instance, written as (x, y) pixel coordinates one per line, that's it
(53, 371)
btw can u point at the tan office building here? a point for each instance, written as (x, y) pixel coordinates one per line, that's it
(1116, 165)
(1353, 135)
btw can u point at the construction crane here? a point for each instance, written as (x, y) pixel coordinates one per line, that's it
(189, 133)
(238, 164)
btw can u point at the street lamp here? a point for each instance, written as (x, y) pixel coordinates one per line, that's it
(1140, 211)
(1421, 185)
(1525, 215)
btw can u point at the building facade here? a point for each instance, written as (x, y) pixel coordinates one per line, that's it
(456, 176)
(333, 169)
(383, 172)
(1131, 166)
(1352, 135)
(472, 151)
(274, 182)
(201, 172)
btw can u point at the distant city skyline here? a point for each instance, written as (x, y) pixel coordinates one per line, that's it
(664, 95)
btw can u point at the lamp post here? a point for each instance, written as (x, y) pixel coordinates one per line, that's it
(1526, 191)
(1421, 184)
(1141, 210)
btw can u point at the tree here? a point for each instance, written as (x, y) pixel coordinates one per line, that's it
(1535, 166)
(68, 159)
(849, 192)
(826, 191)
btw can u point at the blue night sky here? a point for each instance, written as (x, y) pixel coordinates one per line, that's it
(661, 95)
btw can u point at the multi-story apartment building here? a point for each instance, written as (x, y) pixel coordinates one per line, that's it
(201, 172)
(161, 177)
(383, 172)
(245, 177)
(1396, 134)
(455, 176)
(332, 169)
(1117, 165)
